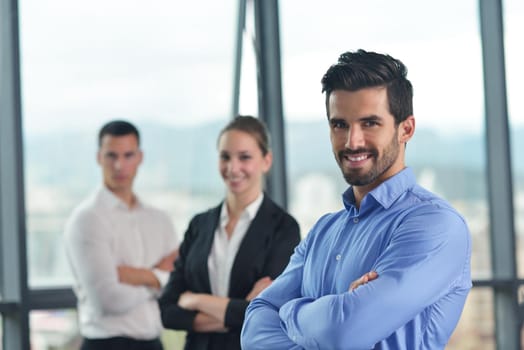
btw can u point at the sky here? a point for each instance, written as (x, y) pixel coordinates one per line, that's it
(171, 61)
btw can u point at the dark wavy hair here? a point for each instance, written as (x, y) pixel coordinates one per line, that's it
(118, 128)
(364, 69)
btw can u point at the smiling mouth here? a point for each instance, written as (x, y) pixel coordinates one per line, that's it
(356, 158)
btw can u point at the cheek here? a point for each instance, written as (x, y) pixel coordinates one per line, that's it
(108, 169)
(332, 138)
(259, 171)
(222, 168)
(337, 141)
(134, 167)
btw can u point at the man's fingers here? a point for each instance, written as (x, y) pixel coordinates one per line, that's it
(372, 275)
(368, 277)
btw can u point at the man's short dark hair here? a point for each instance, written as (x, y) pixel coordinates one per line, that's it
(364, 69)
(118, 128)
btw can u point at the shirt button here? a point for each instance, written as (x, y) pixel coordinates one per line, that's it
(355, 220)
(338, 257)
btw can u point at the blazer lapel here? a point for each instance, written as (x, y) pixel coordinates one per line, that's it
(209, 226)
(253, 242)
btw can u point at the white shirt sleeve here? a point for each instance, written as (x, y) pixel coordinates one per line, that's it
(171, 243)
(88, 246)
(162, 276)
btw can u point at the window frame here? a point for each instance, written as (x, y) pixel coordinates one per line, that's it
(17, 300)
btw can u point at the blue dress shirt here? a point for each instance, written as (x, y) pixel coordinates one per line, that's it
(416, 242)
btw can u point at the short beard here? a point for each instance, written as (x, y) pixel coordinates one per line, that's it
(380, 167)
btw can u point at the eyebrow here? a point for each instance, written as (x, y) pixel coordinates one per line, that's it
(371, 118)
(336, 119)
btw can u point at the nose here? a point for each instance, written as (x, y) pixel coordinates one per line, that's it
(232, 166)
(118, 164)
(355, 138)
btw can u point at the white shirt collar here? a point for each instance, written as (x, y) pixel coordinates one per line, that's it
(251, 210)
(108, 199)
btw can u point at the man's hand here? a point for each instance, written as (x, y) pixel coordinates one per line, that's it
(167, 262)
(368, 277)
(259, 286)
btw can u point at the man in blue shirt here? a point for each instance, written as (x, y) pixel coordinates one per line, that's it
(392, 269)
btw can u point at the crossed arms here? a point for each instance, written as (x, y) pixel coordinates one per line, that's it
(110, 288)
(211, 309)
(417, 269)
(138, 276)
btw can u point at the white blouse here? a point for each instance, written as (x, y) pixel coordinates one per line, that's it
(224, 250)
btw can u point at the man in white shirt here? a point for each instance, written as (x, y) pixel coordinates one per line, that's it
(121, 251)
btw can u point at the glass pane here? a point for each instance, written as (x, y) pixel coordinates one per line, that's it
(248, 94)
(514, 25)
(476, 327)
(447, 151)
(164, 66)
(56, 329)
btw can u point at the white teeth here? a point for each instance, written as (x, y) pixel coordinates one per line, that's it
(357, 159)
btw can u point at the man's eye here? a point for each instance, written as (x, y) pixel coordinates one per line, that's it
(370, 123)
(245, 157)
(224, 157)
(338, 125)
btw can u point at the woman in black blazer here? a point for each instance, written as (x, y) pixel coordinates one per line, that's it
(230, 253)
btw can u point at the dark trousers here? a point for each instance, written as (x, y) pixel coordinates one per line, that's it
(121, 343)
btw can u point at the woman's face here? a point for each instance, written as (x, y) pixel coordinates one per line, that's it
(241, 163)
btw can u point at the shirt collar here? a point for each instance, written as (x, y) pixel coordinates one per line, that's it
(110, 200)
(387, 192)
(250, 211)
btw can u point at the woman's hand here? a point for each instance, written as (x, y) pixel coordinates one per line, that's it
(189, 301)
(259, 286)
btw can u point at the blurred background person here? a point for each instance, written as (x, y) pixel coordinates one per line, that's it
(120, 250)
(230, 253)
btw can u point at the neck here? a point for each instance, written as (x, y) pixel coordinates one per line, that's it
(237, 203)
(359, 192)
(127, 197)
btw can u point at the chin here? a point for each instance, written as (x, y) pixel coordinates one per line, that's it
(236, 190)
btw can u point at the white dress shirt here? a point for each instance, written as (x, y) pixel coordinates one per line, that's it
(101, 234)
(224, 249)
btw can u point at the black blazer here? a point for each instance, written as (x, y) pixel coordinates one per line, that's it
(264, 251)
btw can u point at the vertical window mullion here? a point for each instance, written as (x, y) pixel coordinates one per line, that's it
(499, 175)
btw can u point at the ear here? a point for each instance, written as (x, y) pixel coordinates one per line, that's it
(99, 157)
(406, 129)
(268, 161)
(140, 156)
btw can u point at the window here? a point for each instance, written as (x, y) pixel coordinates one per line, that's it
(478, 331)
(54, 329)
(165, 67)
